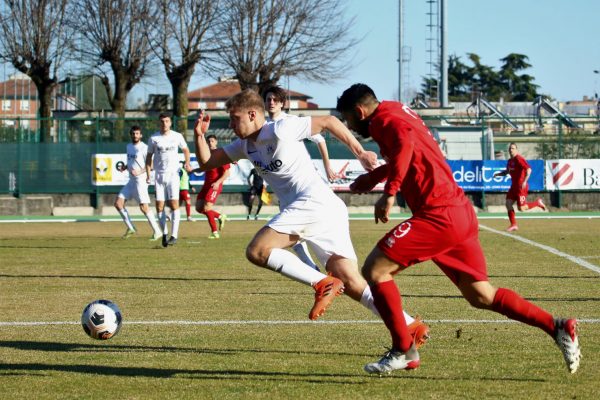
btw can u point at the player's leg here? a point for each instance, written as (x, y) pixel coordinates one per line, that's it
(266, 249)
(251, 197)
(185, 196)
(259, 205)
(511, 214)
(147, 211)
(120, 201)
(303, 254)
(172, 193)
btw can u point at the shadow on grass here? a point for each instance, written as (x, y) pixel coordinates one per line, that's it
(230, 374)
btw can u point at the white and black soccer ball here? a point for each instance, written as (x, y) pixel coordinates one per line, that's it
(101, 319)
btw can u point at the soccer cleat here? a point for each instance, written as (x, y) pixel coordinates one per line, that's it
(541, 204)
(395, 359)
(247, 217)
(165, 241)
(512, 228)
(325, 291)
(565, 336)
(221, 220)
(189, 219)
(156, 236)
(214, 235)
(172, 241)
(419, 331)
(128, 233)
(256, 217)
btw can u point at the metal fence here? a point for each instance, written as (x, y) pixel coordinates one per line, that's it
(64, 165)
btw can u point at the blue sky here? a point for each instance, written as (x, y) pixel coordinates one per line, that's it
(560, 37)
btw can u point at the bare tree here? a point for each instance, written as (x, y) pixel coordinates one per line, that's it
(180, 34)
(263, 40)
(113, 34)
(33, 38)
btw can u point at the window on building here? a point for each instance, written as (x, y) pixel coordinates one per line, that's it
(6, 105)
(24, 105)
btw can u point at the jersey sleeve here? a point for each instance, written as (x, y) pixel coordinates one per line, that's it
(317, 138)
(293, 128)
(400, 148)
(150, 148)
(523, 163)
(182, 143)
(235, 150)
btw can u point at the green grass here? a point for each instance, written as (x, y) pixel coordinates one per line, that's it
(50, 271)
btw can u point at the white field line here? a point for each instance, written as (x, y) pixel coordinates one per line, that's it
(549, 249)
(275, 322)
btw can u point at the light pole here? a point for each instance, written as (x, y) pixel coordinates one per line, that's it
(597, 72)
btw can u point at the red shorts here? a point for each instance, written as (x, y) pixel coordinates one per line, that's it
(446, 235)
(518, 195)
(184, 195)
(208, 194)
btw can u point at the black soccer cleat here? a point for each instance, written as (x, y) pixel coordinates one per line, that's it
(165, 241)
(172, 241)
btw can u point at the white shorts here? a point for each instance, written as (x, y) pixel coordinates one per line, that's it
(167, 187)
(136, 189)
(322, 221)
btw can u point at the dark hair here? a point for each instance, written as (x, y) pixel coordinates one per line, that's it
(135, 128)
(278, 93)
(164, 115)
(210, 137)
(359, 93)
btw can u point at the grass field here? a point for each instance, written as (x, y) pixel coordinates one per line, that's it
(201, 322)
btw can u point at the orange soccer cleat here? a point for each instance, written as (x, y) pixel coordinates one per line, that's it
(325, 291)
(419, 330)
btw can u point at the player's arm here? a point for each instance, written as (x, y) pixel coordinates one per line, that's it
(501, 173)
(148, 166)
(368, 159)
(221, 179)
(186, 155)
(526, 178)
(366, 182)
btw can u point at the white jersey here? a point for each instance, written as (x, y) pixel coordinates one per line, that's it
(165, 149)
(316, 138)
(136, 159)
(280, 157)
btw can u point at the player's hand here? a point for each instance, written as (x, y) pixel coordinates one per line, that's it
(188, 168)
(383, 207)
(331, 176)
(368, 160)
(363, 184)
(202, 124)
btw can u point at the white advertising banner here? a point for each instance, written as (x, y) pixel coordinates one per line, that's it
(573, 174)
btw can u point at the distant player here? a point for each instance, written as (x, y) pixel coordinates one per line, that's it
(519, 171)
(137, 187)
(309, 209)
(163, 154)
(255, 181)
(213, 185)
(443, 228)
(184, 192)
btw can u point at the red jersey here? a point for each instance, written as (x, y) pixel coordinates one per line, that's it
(415, 165)
(517, 168)
(214, 174)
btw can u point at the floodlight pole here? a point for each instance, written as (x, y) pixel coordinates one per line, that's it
(400, 43)
(443, 90)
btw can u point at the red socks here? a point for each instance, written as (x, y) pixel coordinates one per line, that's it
(212, 217)
(388, 301)
(512, 218)
(510, 304)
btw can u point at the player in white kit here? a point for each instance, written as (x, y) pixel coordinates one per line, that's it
(137, 187)
(309, 209)
(163, 154)
(275, 98)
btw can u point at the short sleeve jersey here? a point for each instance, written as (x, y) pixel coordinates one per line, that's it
(517, 168)
(212, 175)
(280, 157)
(416, 166)
(165, 149)
(136, 159)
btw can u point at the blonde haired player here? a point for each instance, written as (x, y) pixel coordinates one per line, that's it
(309, 209)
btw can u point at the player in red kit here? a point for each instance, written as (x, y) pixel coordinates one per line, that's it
(519, 171)
(213, 185)
(443, 229)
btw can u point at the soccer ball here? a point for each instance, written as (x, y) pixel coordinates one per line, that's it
(101, 319)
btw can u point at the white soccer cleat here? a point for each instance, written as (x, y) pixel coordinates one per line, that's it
(565, 336)
(393, 360)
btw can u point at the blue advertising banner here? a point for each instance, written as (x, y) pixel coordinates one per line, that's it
(478, 175)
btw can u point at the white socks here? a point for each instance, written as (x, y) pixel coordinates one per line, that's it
(152, 221)
(367, 301)
(126, 219)
(302, 251)
(175, 218)
(289, 265)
